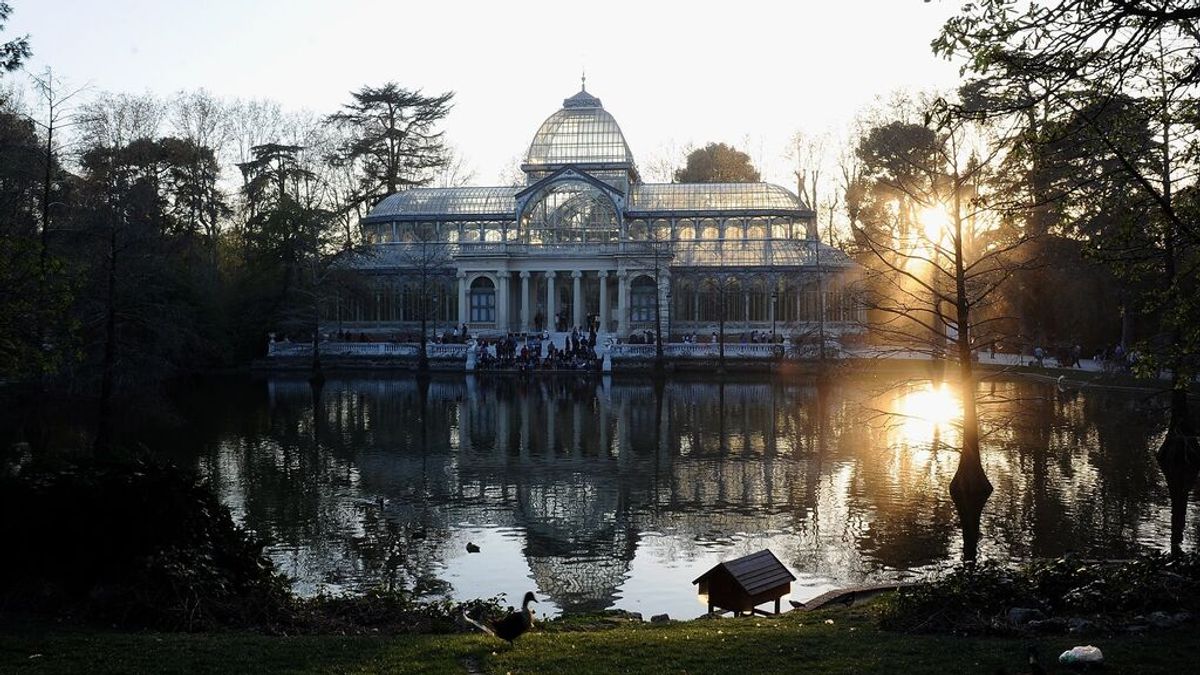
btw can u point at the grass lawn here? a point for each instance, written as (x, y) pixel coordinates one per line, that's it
(792, 643)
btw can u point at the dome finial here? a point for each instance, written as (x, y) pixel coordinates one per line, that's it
(583, 80)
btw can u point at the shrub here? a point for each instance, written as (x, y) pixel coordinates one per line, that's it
(134, 544)
(975, 599)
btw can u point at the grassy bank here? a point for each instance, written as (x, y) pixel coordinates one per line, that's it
(792, 643)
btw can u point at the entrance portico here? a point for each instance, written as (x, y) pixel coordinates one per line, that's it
(595, 295)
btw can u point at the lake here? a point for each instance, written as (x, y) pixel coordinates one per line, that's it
(616, 493)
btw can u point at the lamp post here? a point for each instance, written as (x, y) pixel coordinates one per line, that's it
(774, 311)
(670, 314)
(435, 316)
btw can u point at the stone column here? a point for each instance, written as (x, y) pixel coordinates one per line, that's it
(622, 303)
(463, 309)
(502, 302)
(604, 312)
(551, 310)
(526, 310)
(577, 298)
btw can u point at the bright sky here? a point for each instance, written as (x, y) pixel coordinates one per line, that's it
(672, 73)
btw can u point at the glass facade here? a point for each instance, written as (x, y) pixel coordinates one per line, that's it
(585, 242)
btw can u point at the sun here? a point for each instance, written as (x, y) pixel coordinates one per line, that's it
(936, 222)
(927, 410)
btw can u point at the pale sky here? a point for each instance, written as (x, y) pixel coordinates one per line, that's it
(671, 73)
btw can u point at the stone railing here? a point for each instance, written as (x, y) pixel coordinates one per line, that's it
(698, 351)
(379, 349)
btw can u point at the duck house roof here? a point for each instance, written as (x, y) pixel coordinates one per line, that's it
(755, 573)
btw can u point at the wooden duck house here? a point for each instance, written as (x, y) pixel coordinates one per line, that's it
(743, 584)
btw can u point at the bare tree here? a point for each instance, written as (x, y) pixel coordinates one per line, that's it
(457, 172)
(652, 247)
(935, 262)
(116, 120)
(1072, 67)
(660, 165)
(426, 256)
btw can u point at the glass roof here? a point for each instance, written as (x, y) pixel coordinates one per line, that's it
(461, 202)
(701, 197)
(755, 253)
(582, 132)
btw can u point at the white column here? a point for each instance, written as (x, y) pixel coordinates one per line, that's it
(462, 298)
(604, 323)
(551, 310)
(526, 310)
(577, 298)
(502, 302)
(622, 303)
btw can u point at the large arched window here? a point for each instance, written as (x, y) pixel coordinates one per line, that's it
(571, 211)
(483, 301)
(760, 299)
(641, 299)
(685, 301)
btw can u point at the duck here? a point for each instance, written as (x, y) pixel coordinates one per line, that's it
(472, 548)
(512, 626)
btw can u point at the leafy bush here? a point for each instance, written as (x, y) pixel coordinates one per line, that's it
(975, 599)
(389, 612)
(134, 544)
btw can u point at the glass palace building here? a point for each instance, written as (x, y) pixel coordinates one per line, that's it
(584, 241)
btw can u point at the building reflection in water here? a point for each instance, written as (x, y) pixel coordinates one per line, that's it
(602, 494)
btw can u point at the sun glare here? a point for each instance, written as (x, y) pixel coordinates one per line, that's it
(936, 222)
(926, 411)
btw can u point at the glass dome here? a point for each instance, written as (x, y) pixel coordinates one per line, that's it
(582, 132)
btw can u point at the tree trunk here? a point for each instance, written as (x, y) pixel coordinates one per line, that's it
(1179, 460)
(970, 487)
(102, 447)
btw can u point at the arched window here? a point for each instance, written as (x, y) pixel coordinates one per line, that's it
(708, 230)
(721, 297)
(685, 230)
(571, 211)
(760, 299)
(637, 230)
(684, 297)
(641, 299)
(757, 229)
(483, 301)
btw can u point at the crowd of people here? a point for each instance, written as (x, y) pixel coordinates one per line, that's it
(526, 352)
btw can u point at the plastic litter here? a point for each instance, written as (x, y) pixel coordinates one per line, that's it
(1088, 655)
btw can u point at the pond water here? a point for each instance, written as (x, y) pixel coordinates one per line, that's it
(614, 493)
